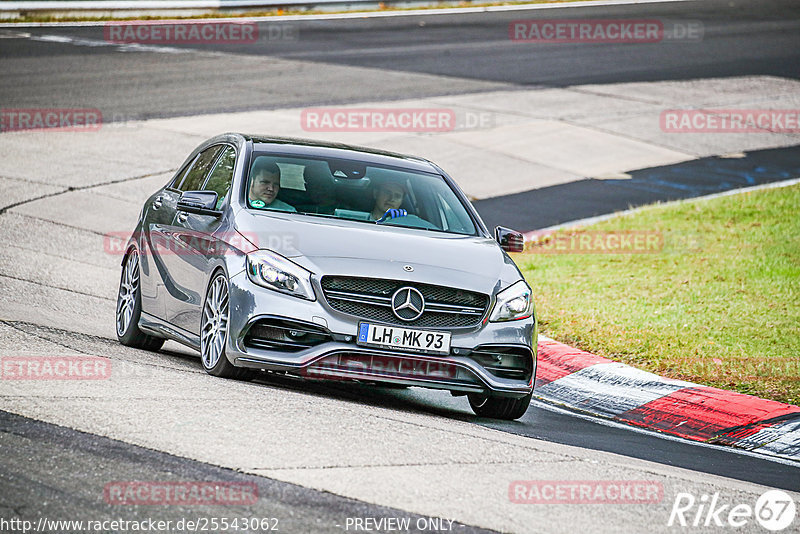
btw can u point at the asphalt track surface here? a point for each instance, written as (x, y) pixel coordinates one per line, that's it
(83, 462)
(401, 57)
(79, 465)
(586, 198)
(382, 59)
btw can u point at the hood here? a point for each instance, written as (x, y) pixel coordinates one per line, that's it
(336, 247)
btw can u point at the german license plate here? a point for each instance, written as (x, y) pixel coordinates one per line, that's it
(394, 337)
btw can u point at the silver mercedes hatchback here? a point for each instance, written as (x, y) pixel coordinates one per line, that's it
(330, 262)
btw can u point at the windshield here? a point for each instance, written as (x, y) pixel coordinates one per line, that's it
(351, 190)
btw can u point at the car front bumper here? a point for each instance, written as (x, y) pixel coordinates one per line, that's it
(340, 357)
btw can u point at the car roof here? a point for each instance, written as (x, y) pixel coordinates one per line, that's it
(308, 147)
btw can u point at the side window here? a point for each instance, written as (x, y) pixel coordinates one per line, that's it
(178, 178)
(221, 176)
(193, 181)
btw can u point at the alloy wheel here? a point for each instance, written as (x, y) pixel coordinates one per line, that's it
(214, 331)
(128, 288)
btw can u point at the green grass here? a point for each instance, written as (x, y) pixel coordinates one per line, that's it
(719, 304)
(387, 6)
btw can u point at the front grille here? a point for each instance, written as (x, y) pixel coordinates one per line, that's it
(370, 298)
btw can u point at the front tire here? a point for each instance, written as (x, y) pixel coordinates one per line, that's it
(508, 408)
(129, 308)
(214, 325)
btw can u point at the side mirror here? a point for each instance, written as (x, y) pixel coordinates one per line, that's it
(199, 202)
(509, 240)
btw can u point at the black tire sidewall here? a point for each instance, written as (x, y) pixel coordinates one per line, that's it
(500, 407)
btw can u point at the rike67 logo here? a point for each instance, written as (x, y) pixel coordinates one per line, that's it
(774, 510)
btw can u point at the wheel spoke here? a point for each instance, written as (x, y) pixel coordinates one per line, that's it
(127, 317)
(206, 336)
(223, 293)
(214, 353)
(127, 314)
(218, 342)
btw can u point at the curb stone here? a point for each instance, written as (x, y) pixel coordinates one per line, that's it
(604, 388)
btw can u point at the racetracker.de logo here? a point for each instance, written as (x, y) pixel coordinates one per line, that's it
(595, 242)
(378, 120)
(181, 493)
(53, 119)
(342, 366)
(181, 32)
(185, 242)
(560, 31)
(730, 121)
(55, 368)
(585, 492)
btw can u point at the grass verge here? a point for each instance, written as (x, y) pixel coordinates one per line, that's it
(276, 12)
(710, 294)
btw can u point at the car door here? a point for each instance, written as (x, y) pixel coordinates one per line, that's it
(197, 238)
(181, 294)
(159, 212)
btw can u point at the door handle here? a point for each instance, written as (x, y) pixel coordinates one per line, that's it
(182, 217)
(157, 202)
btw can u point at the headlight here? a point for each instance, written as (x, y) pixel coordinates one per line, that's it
(273, 271)
(513, 303)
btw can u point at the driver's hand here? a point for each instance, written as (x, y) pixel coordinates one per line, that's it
(393, 214)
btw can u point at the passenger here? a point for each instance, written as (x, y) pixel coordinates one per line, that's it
(265, 182)
(388, 199)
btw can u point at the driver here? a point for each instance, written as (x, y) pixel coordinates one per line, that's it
(388, 199)
(265, 182)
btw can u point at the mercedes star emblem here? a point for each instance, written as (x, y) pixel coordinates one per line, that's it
(408, 303)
